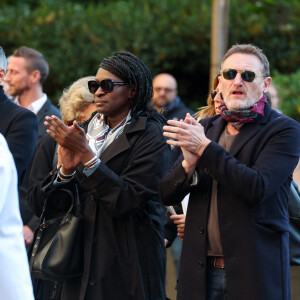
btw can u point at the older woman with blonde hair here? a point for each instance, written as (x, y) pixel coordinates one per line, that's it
(76, 102)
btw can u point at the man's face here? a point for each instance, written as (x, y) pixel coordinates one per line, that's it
(164, 90)
(17, 76)
(239, 94)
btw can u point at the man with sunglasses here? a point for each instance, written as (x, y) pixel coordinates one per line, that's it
(237, 167)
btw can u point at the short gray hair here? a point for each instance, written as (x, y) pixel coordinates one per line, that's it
(250, 49)
(3, 60)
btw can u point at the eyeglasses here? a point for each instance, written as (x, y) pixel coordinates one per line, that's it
(107, 85)
(213, 94)
(167, 90)
(230, 74)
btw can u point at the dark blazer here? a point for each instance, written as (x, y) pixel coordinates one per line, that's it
(27, 215)
(177, 110)
(19, 126)
(253, 187)
(48, 109)
(124, 248)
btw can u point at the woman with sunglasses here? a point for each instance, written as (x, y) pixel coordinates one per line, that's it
(117, 165)
(213, 101)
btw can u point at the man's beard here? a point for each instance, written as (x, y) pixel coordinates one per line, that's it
(161, 102)
(18, 91)
(240, 104)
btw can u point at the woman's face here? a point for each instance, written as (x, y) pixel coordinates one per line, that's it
(116, 104)
(218, 99)
(85, 113)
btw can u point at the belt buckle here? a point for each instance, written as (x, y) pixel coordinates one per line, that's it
(217, 265)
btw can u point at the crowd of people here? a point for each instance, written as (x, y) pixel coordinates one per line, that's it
(133, 151)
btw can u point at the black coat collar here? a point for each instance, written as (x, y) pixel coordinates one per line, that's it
(122, 142)
(218, 124)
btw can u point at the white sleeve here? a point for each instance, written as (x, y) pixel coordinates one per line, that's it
(15, 281)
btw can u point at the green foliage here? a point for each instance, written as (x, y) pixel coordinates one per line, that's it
(273, 25)
(75, 38)
(288, 87)
(169, 36)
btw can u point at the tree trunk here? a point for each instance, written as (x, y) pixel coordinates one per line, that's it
(219, 35)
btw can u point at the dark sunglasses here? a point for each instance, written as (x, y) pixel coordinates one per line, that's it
(230, 74)
(107, 85)
(213, 94)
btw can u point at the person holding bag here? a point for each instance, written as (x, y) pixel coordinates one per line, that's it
(117, 166)
(48, 266)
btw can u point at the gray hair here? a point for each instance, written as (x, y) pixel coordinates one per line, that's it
(75, 99)
(253, 50)
(3, 60)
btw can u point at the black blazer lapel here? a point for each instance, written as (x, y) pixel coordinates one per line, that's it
(43, 112)
(122, 142)
(116, 147)
(217, 126)
(215, 129)
(248, 131)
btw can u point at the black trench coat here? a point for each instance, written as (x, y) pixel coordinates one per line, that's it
(124, 253)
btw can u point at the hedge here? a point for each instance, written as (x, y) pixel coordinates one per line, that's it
(169, 36)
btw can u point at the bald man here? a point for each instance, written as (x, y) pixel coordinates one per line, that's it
(165, 98)
(166, 101)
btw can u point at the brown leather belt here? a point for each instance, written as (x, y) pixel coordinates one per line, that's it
(216, 261)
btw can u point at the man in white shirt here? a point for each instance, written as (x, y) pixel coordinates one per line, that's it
(15, 282)
(26, 72)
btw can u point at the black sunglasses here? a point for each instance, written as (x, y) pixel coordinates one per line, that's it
(213, 94)
(230, 74)
(107, 85)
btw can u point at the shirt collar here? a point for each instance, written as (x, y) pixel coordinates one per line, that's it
(36, 105)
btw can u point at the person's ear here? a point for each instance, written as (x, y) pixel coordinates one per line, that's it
(2, 74)
(267, 83)
(35, 76)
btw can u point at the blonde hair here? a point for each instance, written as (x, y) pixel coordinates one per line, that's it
(75, 98)
(209, 109)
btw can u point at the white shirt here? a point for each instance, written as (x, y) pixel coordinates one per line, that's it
(15, 281)
(36, 105)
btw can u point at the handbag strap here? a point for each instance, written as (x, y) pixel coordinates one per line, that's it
(75, 204)
(36, 243)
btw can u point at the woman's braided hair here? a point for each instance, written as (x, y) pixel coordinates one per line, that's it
(131, 69)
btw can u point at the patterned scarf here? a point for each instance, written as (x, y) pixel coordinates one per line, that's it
(100, 135)
(238, 118)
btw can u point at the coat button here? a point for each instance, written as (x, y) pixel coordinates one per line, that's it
(92, 198)
(92, 282)
(201, 230)
(200, 264)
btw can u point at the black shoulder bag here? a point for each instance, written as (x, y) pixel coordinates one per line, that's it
(57, 249)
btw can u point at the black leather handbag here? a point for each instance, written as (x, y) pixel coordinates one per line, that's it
(57, 249)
